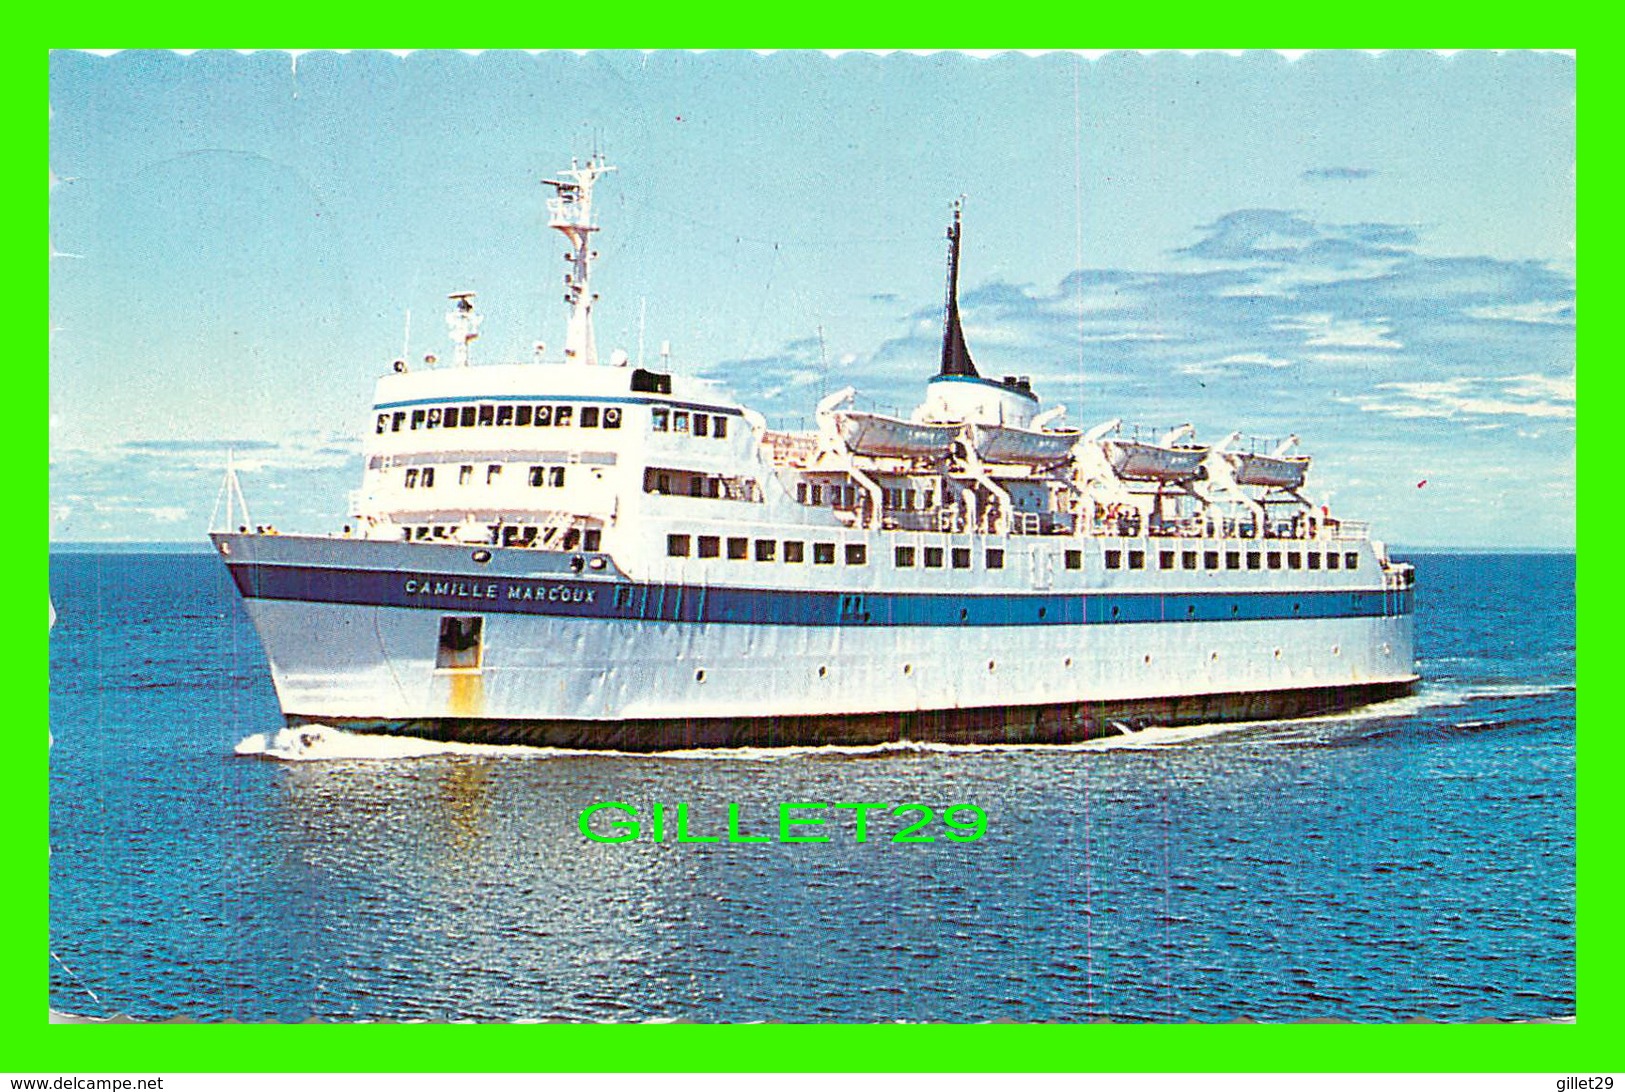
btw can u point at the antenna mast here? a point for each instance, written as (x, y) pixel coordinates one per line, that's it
(570, 213)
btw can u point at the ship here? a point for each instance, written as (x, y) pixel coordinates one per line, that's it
(579, 552)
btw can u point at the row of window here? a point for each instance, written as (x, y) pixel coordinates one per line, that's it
(697, 483)
(423, 477)
(514, 535)
(959, 557)
(1232, 559)
(500, 415)
(765, 549)
(698, 424)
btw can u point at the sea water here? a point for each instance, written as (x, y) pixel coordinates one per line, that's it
(1413, 860)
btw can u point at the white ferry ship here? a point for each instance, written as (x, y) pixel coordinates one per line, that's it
(581, 552)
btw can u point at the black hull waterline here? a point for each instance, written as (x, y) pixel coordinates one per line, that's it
(1035, 724)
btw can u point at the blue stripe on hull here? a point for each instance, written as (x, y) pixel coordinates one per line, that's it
(777, 606)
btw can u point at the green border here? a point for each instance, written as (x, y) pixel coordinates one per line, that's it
(35, 1046)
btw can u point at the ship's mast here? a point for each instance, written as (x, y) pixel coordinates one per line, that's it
(570, 212)
(955, 353)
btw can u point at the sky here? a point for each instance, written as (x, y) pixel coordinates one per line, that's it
(1373, 252)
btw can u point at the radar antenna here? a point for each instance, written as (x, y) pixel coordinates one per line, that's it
(570, 213)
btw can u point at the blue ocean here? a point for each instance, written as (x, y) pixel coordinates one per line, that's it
(1414, 860)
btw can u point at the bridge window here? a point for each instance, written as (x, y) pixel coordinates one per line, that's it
(857, 553)
(1114, 559)
(905, 557)
(589, 416)
(995, 558)
(710, 546)
(702, 425)
(719, 427)
(660, 419)
(504, 416)
(765, 549)
(1332, 560)
(794, 552)
(738, 548)
(521, 415)
(1351, 561)
(1074, 559)
(676, 545)
(817, 495)
(933, 557)
(679, 421)
(488, 414)
(823, 553)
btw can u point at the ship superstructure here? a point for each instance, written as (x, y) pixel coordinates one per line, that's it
(596, 554)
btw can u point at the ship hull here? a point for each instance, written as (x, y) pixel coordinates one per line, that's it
(563, 660)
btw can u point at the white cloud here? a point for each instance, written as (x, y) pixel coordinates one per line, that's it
(1331, 332)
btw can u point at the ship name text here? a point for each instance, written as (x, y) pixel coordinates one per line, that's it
(473, 589)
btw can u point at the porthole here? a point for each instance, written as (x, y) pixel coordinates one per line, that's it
(1116, 611)
(1067, 662)
(991, 665)
(1040, 612)
(1337, 650)
(908, 669)
(699, 676)
(1148, 657)
(481, 556)
(1190, 610)
(822, 671)
(1277, 654)
(1235, 609)
(963, 614)
(1213, 655)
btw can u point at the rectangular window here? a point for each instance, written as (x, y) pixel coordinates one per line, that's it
(794, 552)
(1187, 559)
(908, 499)
(857, 553)
(589, 416)
(1165, 559)
(467, 414)
(448, 417)
(710, 546)
(1136, 559)
(765, 549)
(538, 475)
(555, 476)
(383, 423)
(738, 548)
(396, 420)
(488, 414)
(571, 538)
(660, 419)
(696, 486)
(492, 472)
(1210, 559)
(459, 647)
(1314, 561)
(801, 492)
(592, 540)
(434, 418)
(1232, 559)
(418, 417)
(679, 421)
(933, 557)
(1255, 561)
(612, 417)
(428, 477)
(713, 487)
(561, 416)
(1351, 561)
(961, 557)
(702, 425)
(817, 495)
(995, 559)
(905, 557)
(412, 478)
(465, 474)
(1275, 559)
(823, 553)
(676, 545)
(504, 416)
(543, 417)
(663, 483)
(521, 416)
(1114, 559)
(719, 428)
(1294, 561)
(1332, 560)
(1073, 559)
